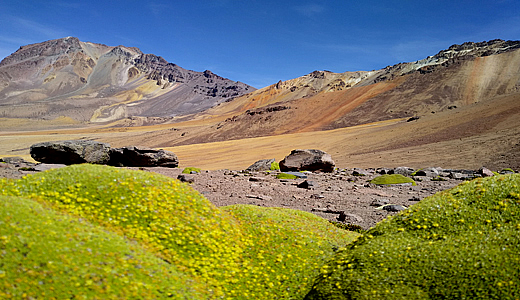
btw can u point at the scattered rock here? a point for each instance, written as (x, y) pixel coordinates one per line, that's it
(308, 184)
(71, 152)
(405, 171)
(257, 179)
(310, 160)
(349, 218)
(485, 172)
(261, 165)
(186, 178)
(359, 172)
(297, 174)
(260, 197)
(428, 172)
(132, 156)
(414, 198)
(393, 207)
(379, 202)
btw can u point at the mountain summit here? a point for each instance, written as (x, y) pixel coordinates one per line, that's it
(98, 83)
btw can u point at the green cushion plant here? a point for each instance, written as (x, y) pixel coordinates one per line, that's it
(463, 243)
(286, 176)
(392, 179)
(243, 252)
(168, 217)
(288, 248)
(45, 254)
(188, 170)
(275, 166)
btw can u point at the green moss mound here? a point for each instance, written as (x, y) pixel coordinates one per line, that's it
(392, 179)
(168, 217)
(286, 176)
(275, 166)
(288, 248)
(188, 170)
(188, 247)
(463, 243)
(44, 254)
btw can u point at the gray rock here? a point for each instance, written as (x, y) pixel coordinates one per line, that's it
(428, 172)
(360, 172)
(255, 178)
(132, 156)
(297, 174)
(260, 197)
(308, 184)
(402, 170)
(393, 207)
(379, 202)
(71, 152)
(310, 160)
(485, 172)
(261, 165)
(186, 178)
(349, 218)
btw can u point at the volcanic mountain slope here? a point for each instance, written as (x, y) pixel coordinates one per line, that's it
(97, 83)
(454, 78)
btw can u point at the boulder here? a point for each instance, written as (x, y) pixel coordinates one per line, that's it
(405, 171)
(428, 172)
(261, 165)
(71, 152)
(485, 172)
(132, 156)
(310, 160)
(308, 184)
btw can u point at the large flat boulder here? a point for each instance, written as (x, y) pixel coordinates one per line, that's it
(132, 156)
(307, 160)
(71, 152)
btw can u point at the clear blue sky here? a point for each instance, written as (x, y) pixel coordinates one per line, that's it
(261, 42)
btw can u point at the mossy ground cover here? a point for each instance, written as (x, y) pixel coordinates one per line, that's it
(286, 176)
(168, 217)
(288, 249)
(47, 255)
(392, 179)
(463, 243)
(237, 252)
(188, 170)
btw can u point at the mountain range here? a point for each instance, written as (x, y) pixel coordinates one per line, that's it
(95, 83)
(464, 97)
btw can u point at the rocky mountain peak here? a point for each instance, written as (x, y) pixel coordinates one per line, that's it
(484, 48)
(49, 48)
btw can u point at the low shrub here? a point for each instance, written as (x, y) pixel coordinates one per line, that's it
(286, 176)
(44, 254)
(392, 179)
(463, 243)
(188, 170)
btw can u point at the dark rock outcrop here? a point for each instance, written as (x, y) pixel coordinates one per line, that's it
(309, 159)
(71, 152)
(79, 152)
(132, 156)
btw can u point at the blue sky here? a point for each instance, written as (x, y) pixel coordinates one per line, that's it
(261, 42)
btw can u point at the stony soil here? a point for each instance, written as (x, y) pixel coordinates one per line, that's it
(332, 193)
